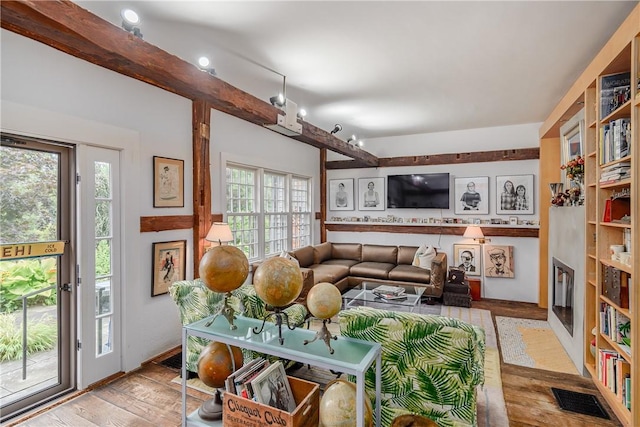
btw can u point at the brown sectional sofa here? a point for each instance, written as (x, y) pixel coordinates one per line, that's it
(347, 265)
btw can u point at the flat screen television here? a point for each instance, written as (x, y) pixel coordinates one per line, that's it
(427, 191)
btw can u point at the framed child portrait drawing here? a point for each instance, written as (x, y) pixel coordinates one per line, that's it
(514, 194)
(471, 195)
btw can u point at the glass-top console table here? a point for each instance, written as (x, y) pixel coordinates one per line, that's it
(351, 356)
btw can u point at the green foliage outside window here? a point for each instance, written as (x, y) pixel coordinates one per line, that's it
(21, 277)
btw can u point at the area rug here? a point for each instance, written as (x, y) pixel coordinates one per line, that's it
(532, 343)
(492, 410)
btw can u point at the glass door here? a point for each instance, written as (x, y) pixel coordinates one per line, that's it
(37, 265)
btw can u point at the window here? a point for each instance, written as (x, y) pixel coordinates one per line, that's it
(268, 211)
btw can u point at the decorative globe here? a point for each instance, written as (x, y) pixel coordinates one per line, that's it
(338, 405)
(324, 300)
(224, 268)
(215, 363)
(278, 281)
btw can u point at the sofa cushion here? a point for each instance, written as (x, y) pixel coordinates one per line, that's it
(374, 270)
(409, 273)
(329, 273)
(321, 252)
(406, 254)
(304, 256)
(345, 262)
(380, 253)
(346, 251)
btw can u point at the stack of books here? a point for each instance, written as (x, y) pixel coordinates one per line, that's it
(387, 292)
(615, 173)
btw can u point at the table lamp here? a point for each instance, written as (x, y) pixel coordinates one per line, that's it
(474, 232)
(219, 233)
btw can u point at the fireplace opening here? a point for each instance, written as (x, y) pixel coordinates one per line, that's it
(563, 294)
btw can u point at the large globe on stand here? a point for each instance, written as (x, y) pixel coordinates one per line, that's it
(278, 281)
(338, 405)
(217, 362)
(224, 268)
(324, 300)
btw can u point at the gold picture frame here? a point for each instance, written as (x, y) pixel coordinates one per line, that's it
(169, 262)
(168, 182)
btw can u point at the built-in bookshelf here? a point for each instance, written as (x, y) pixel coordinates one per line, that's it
(611, 297)
(609, 91)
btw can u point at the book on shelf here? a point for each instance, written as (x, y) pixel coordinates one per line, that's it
(615, 90)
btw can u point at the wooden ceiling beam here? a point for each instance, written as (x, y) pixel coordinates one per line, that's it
(69, 28)
(444, 159)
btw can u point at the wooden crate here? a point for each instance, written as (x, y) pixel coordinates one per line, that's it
(238, 411)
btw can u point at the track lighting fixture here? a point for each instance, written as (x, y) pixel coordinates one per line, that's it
(302, 113)
(278, 100)
(351, 138)
(130, 22)
(355, 142)
(205, 65)
(337, 128)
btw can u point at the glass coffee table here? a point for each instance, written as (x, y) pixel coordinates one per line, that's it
(364, 296)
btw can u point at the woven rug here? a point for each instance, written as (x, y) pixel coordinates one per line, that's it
(532, 343)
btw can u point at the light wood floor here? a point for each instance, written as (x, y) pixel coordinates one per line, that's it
(147, 397)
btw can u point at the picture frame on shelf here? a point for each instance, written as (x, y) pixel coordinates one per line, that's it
(513, 220)
(498, 261)
(515, 194)
(272, 388)
(341, 194)
(168, 182)
(571, 140)
(169, 263)
(371, 194)
(468, 258)
(471, 195)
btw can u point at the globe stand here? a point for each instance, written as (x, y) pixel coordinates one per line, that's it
(227, 311)
(324, 335)
(278, 314)
(211, 410)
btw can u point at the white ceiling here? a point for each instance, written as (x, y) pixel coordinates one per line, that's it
(386, 68)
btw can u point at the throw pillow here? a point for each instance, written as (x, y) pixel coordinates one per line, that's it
(416, 258)
(424, 256)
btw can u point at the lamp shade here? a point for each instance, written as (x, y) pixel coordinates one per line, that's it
(219, 232)
(473, 232)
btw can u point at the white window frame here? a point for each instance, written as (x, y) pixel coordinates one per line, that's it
(261, 214)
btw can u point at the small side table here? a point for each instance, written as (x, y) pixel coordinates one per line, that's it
(476, 288)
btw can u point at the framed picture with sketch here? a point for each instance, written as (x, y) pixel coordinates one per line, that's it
(514, 194)
(341, 194)
(169, 263)
(471, 195)
(371, 194)
(468, 258)
(168, 183)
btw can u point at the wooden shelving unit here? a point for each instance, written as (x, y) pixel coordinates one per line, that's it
(620, 54)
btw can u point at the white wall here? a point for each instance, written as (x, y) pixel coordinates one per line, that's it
(524, 287)
(49, 94)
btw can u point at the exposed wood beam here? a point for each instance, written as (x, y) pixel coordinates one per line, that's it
(323, 194)
(166, 222)
(445, 159)
(69, 28)
(201, 179)
(487, 230)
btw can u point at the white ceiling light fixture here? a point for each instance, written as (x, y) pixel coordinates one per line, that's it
(337, 128)
(302, 113)
(131, 21)
(205, 65)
